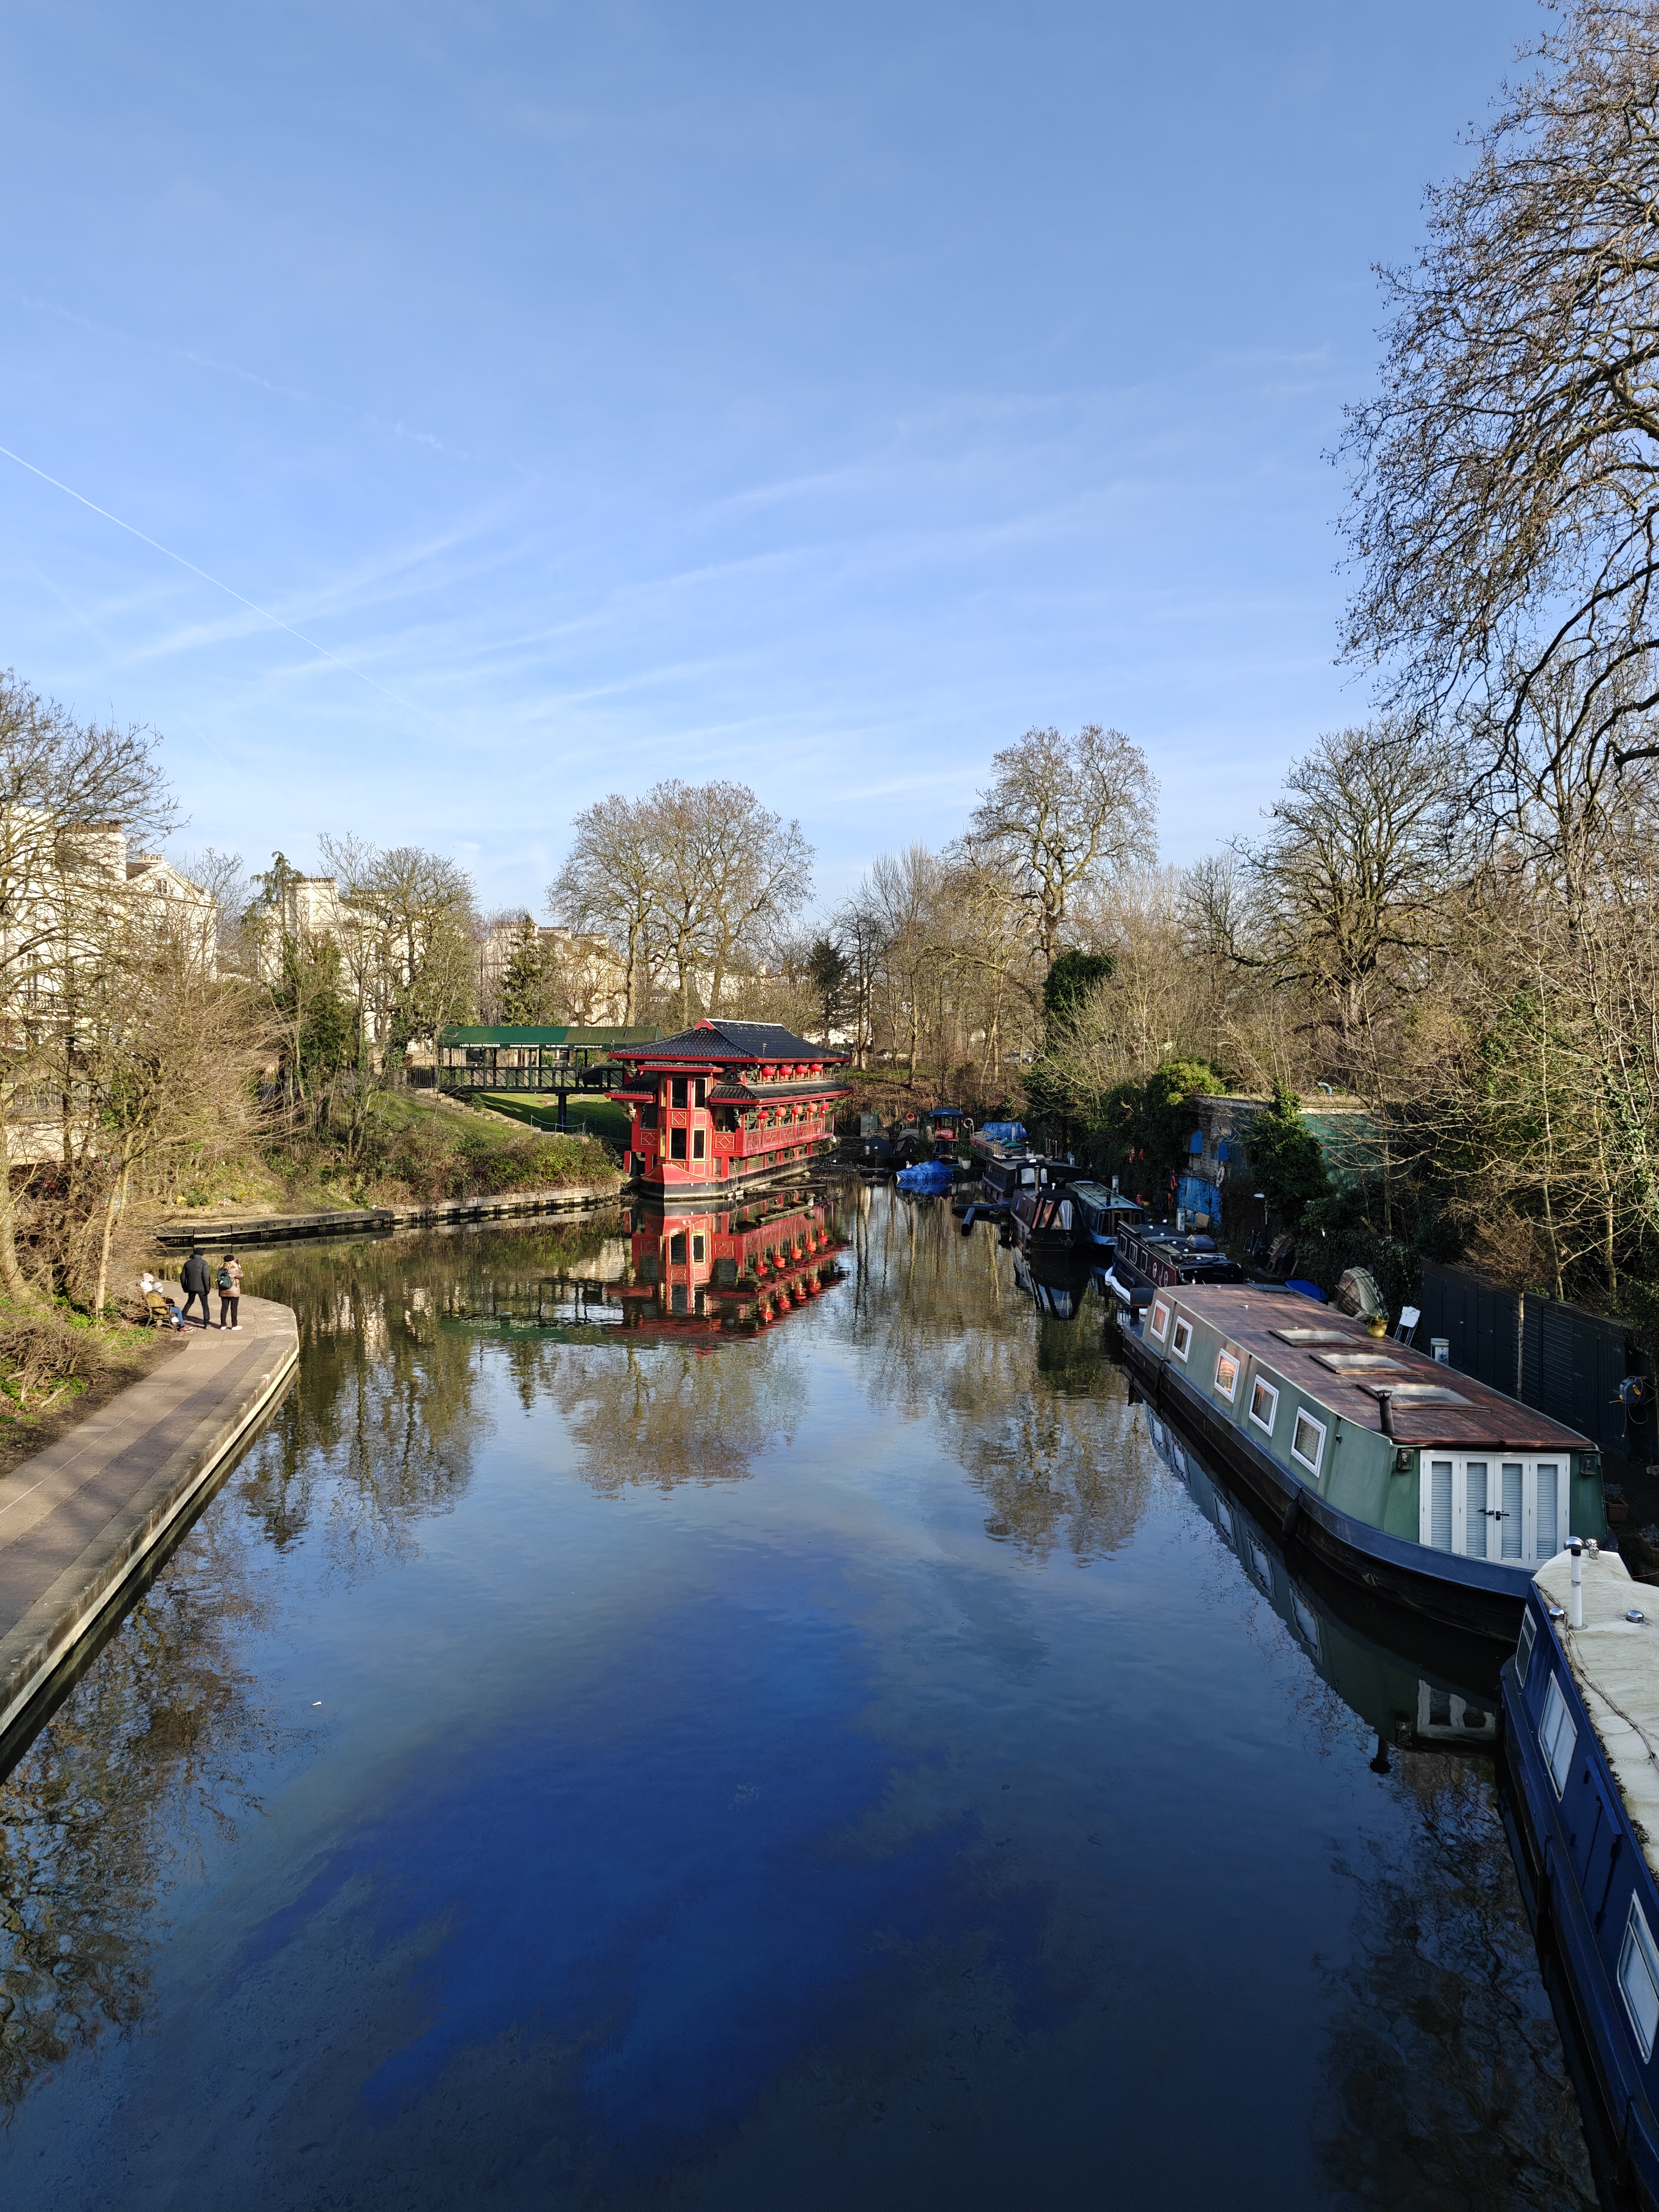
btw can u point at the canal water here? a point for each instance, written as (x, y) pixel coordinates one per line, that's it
(596, 1753)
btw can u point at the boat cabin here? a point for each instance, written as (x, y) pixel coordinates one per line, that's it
(725, 1103)
(1148, 1254)
(1378, 1430)
(1074, 1217)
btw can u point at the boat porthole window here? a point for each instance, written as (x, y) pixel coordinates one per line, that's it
(1307, 1440)
(1523, 1648)
(1639, 1978)
(1558, 1734)
(1181, 1342)
(1264, 1405)
(1226, 1375)
(1159, 1323)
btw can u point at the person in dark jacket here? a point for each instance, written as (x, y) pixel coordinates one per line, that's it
(195, 1281)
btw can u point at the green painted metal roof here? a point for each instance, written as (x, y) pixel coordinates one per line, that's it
(561, 1034)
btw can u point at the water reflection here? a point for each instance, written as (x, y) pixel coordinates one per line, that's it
(1444, 2079)
(939, 1815)
(1029, 1406)
(150, 1755)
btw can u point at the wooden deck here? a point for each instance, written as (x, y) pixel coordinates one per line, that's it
(1257, 1321)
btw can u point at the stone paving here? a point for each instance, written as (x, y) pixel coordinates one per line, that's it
(77, 1520)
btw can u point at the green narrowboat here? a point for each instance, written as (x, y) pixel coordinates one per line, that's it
(1424, 1485)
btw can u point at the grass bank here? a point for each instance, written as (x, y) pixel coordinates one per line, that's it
(408, 1148)
(58, 1365)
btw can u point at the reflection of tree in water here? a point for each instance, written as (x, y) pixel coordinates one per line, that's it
(1445, 2080)
(147, 1754)
(1029, 1404)
(381, 1428)
(669, 1412)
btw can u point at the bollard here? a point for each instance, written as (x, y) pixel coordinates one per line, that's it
(1575, 1618)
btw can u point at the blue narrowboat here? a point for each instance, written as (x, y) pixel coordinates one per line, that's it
(1581, 1755)
(1427, 1487)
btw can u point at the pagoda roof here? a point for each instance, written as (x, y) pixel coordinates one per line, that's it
(724, 1043)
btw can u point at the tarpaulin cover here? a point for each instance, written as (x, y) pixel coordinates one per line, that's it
(928, 1177)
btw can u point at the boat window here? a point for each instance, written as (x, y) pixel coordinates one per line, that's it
(1181, 1342)
(1223, 1516)
(1523, 1648)
(1065, 1212)
(1639, 1978)
(1440, 1504)
(1159, 1326)
(1264, 1405)
(1307, 1440)
(1558, 1734)
(1226, 1375)
(1261, 1560)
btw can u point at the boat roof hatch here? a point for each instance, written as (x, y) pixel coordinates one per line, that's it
(1303, 1336)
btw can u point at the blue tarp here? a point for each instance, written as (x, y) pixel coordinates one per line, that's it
(1003, 1133)
(928, 1178)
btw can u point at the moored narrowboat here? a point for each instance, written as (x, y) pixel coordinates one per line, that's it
(1084, 1219)
(1148, 1254)
(1425, 1486)
(1581, 1750)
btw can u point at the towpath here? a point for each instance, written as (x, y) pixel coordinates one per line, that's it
(79, 1519)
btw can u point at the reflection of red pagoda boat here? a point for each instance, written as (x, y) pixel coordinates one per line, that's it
(719, 1269)
(726, 1103)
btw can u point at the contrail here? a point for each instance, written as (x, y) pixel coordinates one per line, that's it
(264, 613)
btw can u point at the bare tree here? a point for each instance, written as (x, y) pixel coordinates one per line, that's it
(1505, 479)
(612, 884)
(1060, 812)
(61, 782)
(1350, 882)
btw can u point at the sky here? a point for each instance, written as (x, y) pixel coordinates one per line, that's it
(549, 399)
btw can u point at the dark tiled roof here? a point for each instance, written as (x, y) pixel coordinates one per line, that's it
(733, 1041)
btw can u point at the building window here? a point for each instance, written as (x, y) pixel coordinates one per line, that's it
(678, 1090)
(677, 1251)
(1307, 1440)
(697, 1249)
(1159, 1326)
(677, 1298)
(1181, 1342)
(1226, 1375)
(1556, 1733)
(676, 1144)
(1264, 1405)
(699, 1144)
(648, 1116)
(1639, 1978)
(701, 1098)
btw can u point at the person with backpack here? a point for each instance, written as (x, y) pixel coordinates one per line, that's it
(230, 1292)
(194, 1280)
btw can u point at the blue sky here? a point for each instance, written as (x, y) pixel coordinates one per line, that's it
(817, 396)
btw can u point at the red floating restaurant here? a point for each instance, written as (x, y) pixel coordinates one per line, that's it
(725, 1103)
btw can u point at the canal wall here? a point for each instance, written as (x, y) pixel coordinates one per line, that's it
(373, 1220)
(79, 1520)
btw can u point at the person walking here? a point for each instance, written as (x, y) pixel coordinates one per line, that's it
(230, 1292)
(194, 1280)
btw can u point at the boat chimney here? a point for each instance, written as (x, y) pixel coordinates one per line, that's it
(1575, 1618)
(1385, 1407)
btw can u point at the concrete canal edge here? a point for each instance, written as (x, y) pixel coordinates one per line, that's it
(371, 1220)
(80, 1520)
